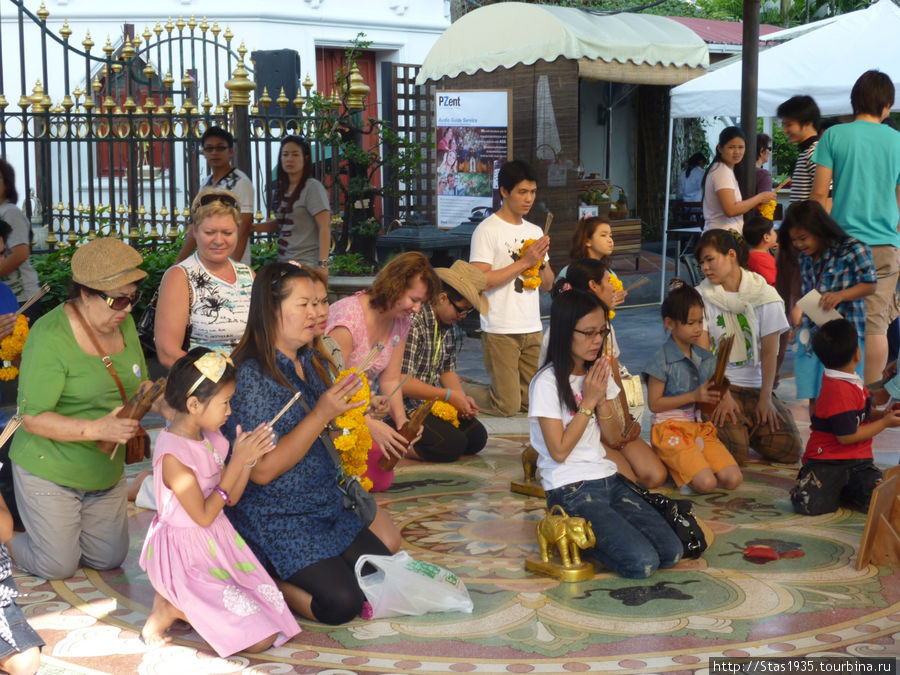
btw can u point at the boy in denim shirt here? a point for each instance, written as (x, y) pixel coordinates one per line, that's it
(678, 378)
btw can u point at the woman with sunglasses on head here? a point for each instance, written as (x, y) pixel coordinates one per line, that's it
(72, 495)
(569, 412)
(204, 300)
(303, 221)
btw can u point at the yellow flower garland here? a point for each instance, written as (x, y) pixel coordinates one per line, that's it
(355, 442)
(531, 276)
(445, 411)
(617, 285)
(11, 346)
(768, 209)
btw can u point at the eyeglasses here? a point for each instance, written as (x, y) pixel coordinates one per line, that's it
(593, 332)
(215, 148)
(218, 197)
(120, 302)
(461, 313)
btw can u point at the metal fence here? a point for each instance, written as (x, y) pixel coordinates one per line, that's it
(106, 141)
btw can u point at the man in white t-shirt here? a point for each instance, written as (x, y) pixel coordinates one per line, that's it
(217, 146)
(511, 330)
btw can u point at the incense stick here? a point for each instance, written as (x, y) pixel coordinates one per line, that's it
(287, 406)
(398, 387)
(34, 298)
(549, 221)
(637, 284)
(371, 356)
(14, 422)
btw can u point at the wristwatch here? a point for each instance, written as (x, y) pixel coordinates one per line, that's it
(587, 412)
(324, 263)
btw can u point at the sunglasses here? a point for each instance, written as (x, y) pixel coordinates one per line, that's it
(215, 197)
(120, 302)
(461, 313)
(215, 148)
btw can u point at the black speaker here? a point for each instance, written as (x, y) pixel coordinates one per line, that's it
(274, 69)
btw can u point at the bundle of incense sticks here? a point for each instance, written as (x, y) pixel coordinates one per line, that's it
(409, 432)
(42, 291)
(371, 356)
(637, 284)
(14, 423)
(287, 406)
(137, 406)
(722, 359)
(549, 221)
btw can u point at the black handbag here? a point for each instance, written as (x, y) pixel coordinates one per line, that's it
(678, 514)
(146, 327)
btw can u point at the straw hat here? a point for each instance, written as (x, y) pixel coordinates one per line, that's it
(468, 281)
(105, 264)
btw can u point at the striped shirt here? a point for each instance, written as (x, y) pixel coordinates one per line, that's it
(804, 171)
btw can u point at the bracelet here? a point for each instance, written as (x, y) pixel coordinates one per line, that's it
(223, 494)
(252, 464)
(608, 417)
(447, 397)
(324, 263)
(587, 412)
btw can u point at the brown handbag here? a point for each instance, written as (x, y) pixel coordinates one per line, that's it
(138, 447)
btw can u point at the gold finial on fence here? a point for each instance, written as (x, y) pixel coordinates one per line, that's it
(108, 103)
(240, 86)
(3, 102)
(71, 238)
(108, 48)
(228, 35)
(149, 105)
(24, 103)
(180, 24)
(307, 84)
(65, 31)
(358, 89)
(147, 34)
(186, 213)
(299, 100)
(96, 85)
(158, 30)
(149, 71)
(116, 68)
(186, 81)
(37, 98)
(242, 50)
(219, 110)
(192, 23)
(130, 105)
(87, 43)
(168, 80)
(215, 30)
(168, 105)
(265, 100)
(128, 49)
(204, 26)
(227, 106)
(207, 104)
(67, 103)
(43, 13)
(170, 26)
(282, 100)
(136, 42)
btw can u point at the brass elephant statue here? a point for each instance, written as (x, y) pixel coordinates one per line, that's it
(567, 534)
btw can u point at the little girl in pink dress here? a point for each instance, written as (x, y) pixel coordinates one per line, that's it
(198, 564)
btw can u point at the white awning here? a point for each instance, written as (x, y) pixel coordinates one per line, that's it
(616, 47)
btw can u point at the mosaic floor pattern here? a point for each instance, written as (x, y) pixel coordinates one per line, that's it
(810, 601)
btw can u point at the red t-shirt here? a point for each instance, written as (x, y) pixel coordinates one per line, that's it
(763, 263)
(842, 407)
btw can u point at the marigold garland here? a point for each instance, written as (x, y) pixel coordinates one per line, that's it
(531, 276)
(767, 209)
(355, 441)
(617, 285)
(11, 347)
(445, 411)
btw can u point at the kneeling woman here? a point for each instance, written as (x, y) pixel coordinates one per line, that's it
(292, 513)
(569, 412)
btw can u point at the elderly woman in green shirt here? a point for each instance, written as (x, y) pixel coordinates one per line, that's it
(71, 495)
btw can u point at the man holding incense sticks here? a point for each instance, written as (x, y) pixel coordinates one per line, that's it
(429, 360)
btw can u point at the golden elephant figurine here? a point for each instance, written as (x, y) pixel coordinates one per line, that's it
(568, 534)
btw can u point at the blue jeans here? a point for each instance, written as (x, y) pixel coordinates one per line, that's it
(632, 538)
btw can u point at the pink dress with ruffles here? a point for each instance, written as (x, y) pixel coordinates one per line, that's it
(209, 573)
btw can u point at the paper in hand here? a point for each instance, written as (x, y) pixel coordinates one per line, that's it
(809, 304)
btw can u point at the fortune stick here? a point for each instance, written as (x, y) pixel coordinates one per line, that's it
(409, 431)
(34, 298)
(137, 406)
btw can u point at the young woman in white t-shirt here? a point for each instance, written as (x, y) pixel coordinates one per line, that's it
(723, 207)
(739, 302)
(569, 414)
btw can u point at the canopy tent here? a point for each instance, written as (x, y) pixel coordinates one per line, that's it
(632, 48)
(823, 63)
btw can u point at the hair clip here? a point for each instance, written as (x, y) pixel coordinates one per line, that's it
(676, 283)
(565, 287)
(212, 367)
(737, 236)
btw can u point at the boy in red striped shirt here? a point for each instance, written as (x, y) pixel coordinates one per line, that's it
(837, 465)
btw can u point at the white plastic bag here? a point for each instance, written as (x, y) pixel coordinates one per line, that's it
(402, 585)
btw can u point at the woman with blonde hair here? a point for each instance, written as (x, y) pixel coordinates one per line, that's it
(204, 300)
